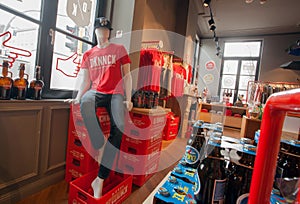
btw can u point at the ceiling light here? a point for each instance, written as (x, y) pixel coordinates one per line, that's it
(211, 22)
(249, 1)
(206, 3)
(263, 1)
(213, 28)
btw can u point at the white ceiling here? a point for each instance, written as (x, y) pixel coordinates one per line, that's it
(237, 18)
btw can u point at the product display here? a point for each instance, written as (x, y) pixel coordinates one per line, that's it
(19, 88)
(224, 171)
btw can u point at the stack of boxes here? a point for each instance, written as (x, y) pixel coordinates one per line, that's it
(171, 127)
(138, 159)
(81, 158)
(141, 144)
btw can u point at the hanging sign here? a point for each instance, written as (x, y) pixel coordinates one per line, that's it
(79, 11)
(210, 65)
(208, 78)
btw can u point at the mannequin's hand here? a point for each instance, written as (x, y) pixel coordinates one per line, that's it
(71, 100)
(128, 105)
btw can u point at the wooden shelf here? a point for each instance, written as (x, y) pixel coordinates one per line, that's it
(228, 121)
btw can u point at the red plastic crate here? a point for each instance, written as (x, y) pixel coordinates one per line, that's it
(144, 167)
(117, 187)
(79, 138)
(144, 126)
(76, 119)
(170, 133)
(140, 180)
(140, 147)
(72, 174)
(81, 160)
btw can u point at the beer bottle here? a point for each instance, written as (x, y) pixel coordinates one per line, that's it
(239, 182)
(194, 150)
(36, 85)
(5, 82)
(288, 161)
(20, 85)
(212, 177)
(197, 127)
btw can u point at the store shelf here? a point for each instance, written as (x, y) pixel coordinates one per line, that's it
(229, 121)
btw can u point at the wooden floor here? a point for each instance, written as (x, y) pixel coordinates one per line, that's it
(172, 152)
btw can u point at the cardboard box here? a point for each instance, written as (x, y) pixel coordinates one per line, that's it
(117, 187)
(179, 192)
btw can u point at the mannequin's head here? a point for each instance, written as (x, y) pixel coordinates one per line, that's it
(102, 29)
(102, 34)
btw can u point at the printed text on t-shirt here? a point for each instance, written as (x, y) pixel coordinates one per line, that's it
(103, 60)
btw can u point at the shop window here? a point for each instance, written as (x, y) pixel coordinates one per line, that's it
(68, 50)
(50, 33)
(31, 8)
(240, 65)
(19, 38)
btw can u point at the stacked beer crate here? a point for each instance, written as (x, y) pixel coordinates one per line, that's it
(171, 128)
(81, 157)
(141, 143)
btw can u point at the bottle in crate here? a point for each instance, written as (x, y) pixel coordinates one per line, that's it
(212, 176)
(6, 82)
(36, 85)
(287, 170)
(239, 181)
(20, 85)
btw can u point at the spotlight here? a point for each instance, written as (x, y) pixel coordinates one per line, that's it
(213, 28)
(206, 3)
(211, 22)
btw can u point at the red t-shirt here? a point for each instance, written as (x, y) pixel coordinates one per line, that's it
(104, 65)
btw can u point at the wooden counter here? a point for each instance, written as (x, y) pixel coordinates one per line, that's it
(33, 138)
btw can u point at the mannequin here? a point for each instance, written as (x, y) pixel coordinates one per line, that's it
(106, 73)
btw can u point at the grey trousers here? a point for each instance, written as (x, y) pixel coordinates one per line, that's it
(115, 107)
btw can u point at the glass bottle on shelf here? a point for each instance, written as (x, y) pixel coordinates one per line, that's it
(20, 85)
(5, 82)
(36, 85)
(239, 182)
(212, 176)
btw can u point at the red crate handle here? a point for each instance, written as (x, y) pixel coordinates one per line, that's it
(268, 146)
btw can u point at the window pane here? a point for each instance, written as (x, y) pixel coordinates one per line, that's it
(242, 49)
(244, 81)
(230, 66)
(65, 63)
(21, 37)
(28, 7)
(228, 81)
(248, 67)
(64, 22)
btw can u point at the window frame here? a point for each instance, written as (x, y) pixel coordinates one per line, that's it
(44, 55)
(240, 59)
